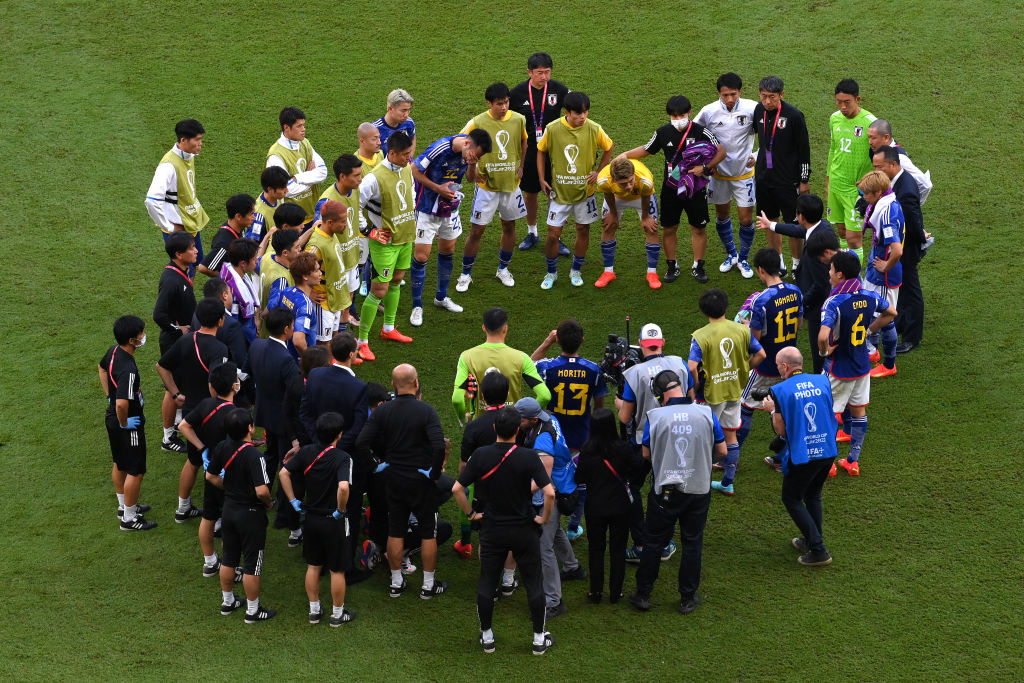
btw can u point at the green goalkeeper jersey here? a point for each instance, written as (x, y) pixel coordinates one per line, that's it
(515, 365)
(848, 155)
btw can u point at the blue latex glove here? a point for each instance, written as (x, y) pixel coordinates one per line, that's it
(380, 468)
(296, 505)
(206, 458)
(132, 423)
(221, 475)
(425, 473)
(337, 514)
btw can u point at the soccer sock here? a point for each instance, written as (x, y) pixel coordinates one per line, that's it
(367, 271)
(577, 262)
(747, 233)
(210, 560)
(532, 229)
(252, 606)
(796, 263)
(504, 258)
(889, 341)
(184, 504)
(732, 458)
(858, 429)
(508, 576)
(859, 251)
(177, 418)
(538, 638)
(444, 274)
(418, 272)
(746, 416)
(120, 500)
(465, 529)
(396, 577)
(228, 597)
(467, 264)
(428, 580)
(168, 433)
(842, 244)
(653, 254)
(391, 305)
(338, 611)
(552, 265)
(129, 513)
(367, 315)
(725, 234)
(342, 327)
(314, 607)
(607, 254)
(487, 635)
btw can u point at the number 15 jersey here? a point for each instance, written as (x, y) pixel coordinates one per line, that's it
(574, 382)
(848, 315)
(776, 312)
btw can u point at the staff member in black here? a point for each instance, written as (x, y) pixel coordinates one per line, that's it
(230, 333)
(203, 428)
(185, 371)
(324, 472)
(783, 167)
(539, 99)
(406, 435)
(503, 475)
(241, 470)
(119, 379)
(175, 304)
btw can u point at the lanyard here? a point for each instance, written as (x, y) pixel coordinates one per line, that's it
(214, 411)
(180, 272)
(493, 469)
(682, 144)
(537, 125)
(764, 123)
(110, 368)
(306, 471)
(228, 463)
(195, 342)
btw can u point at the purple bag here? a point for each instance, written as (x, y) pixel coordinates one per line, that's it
(696, 154)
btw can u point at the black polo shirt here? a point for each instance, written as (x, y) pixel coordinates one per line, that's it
(244, 467)
(175, 299)
(319, 470)
(190, 360)
(519, 101)
(667, 140)
(479, 432)
(207, 419)
(122, 383)
(219, 247)
(505, 492)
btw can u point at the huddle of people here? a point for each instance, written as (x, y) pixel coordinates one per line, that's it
(275, 339)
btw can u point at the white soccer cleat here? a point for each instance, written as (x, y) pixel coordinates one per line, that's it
(416, 319)
(745, 270)
(549, 281)
(463, 283)
(728, 263)
(505, 277)
(576, 278)
(448, 305)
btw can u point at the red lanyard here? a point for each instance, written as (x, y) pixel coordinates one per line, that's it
(764, 123)
(306, 471)
(612, 469)
(543, 101)
(180, 272)
(228, 463)
(214, 411)
(110, 368)
(682, 143)
(493, 469)
(196, 343)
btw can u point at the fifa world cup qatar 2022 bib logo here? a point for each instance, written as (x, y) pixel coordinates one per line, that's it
(571, 153)
(810, 411)
(400, 189)
(502, 139)
(682, 445)
(726, 346)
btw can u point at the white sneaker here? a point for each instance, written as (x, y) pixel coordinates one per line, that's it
(463, 283)
(728, 263)
(549, 280)
(576, 278)
(505, 277)
(448, 305)
(745, 270)
(407, 567)
(416, 319)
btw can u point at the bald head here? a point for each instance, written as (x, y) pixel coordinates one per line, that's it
(404, 379)
(790, 357)
(365, 130)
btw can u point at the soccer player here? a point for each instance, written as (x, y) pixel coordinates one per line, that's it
(783, 168)
(499, 173)
(672, 140)
(396, 119)
(240, 274)
(727, 351)
(628, 184)
(880, 135)
(438, 173)
(275, 275)
(331, 293)
(494, 353)
(571, 143)
(539, 99)
(294, 153)
(731, 119)
(370, 155)
(324, 473)
(171, 200)
(348, 169)
(774, 320)
(305, 271)
(241, 470)
(274, 181)
(241, 214)
(884, 273)
(849, 158)
(386, 195)
(842, 340)
(125, 421)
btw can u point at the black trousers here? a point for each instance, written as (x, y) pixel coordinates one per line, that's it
(663, 511)
(285, 517)
(910, 321)
(616, 529)
(813, 319)
(523, 541)
(636, 519)
(801, 494)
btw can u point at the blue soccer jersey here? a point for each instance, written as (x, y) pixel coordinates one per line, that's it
(887, 221)
(385, 130)
(307, 315)
(575, 383)
(441, 164)
(848, 316)
(776, 313)
(259, 225)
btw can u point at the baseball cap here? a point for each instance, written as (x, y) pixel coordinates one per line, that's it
(530, 408)
(665, 380)
(651, 337)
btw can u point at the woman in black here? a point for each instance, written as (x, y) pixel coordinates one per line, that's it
(605, 465)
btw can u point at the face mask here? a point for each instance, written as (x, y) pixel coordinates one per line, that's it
(142, 342)
(680, 124)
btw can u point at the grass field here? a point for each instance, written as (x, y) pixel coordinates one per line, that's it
(927, 581)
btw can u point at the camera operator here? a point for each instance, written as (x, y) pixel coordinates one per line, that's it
(632, 403)
(801, 409)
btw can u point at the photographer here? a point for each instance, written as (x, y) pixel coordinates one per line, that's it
(632, 403)
(801, 409)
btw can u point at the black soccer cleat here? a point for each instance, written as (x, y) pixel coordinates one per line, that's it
(225, 610)
(396, 591)
(346, 616)
(438, 588)
(140, 523)
(487, 645)
(173, 445)
(262, 614)
(671, 275)
(698, 272)
(211, 569)
(191, 513)
(543, 647)
(315, 617)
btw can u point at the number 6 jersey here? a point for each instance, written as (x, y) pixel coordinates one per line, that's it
(848, 316)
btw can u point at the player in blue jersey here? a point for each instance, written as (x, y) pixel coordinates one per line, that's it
(774, 320)
(305, 270)
(884, 273)
(438, 173)
(397, 118)
(847, 318)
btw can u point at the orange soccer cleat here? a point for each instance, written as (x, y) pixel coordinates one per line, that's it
(606, 277)
(833, 472)
(842, 437)
(463, 550)
(882, 371)
(395, 335)
(875, 357)
(653, 281)
(364, 352)
(853, 468)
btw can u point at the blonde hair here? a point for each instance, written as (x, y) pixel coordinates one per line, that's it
(398, 96)
(875, 181)
(622, 169)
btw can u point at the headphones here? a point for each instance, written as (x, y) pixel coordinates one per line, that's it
(669, 383)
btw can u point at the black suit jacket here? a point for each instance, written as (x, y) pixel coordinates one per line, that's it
(812, 274)
(335, 389)
(909, 196)
(278, 387)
